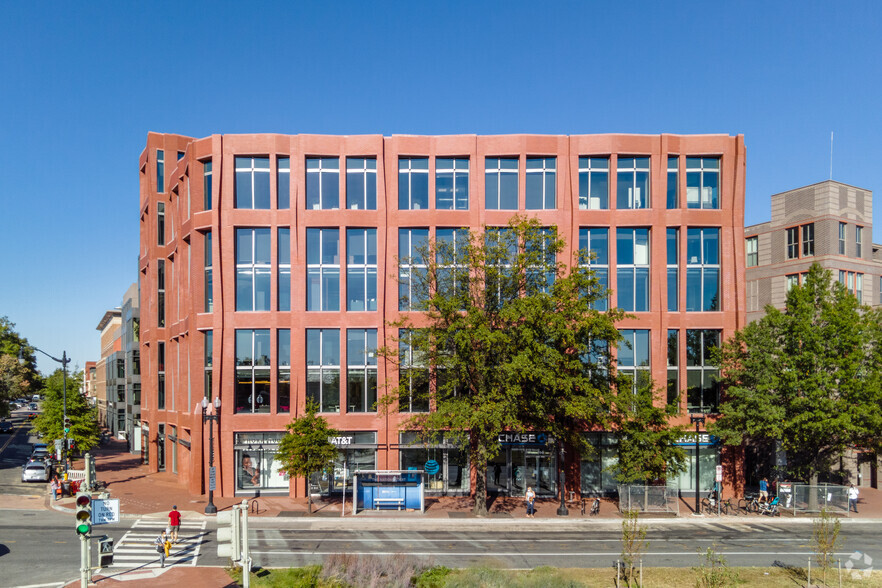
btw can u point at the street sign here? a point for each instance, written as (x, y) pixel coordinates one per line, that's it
(105, 511)
(719, 473)
(212, 480)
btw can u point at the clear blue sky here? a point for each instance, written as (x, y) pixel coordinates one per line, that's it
(83, 83)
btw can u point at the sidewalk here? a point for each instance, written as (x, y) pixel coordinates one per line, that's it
(171, 577)
(142, 493)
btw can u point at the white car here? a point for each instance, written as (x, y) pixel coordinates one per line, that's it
(35, 471)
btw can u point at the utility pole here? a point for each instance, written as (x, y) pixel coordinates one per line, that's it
(698, 420)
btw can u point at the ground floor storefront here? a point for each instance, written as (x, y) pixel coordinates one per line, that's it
(247, 463)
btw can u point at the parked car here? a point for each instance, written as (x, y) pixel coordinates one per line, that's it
(35, 471)
(5, 427)
(32, 406)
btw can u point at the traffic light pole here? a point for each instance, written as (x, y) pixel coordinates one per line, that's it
(85, 569)
(63, 361)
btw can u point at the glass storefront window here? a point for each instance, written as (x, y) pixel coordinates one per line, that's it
(452, 476)
(257, 467)
(357, 451)
(709, 458)
(598, 470)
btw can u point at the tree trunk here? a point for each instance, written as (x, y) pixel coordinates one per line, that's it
(480, 509)
(308, 497)
(813, 491)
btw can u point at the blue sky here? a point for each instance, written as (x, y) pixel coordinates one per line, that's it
(83, 83)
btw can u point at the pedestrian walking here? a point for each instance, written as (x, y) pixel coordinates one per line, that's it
(162, 546)
(531, 499)
(174, 521)
(53, 486)
(764, 490)
(853, 494)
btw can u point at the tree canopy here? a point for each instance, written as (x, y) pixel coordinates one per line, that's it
(807, 377)
(306, 449)
(15, 379)
(84, 429)
(510, 337)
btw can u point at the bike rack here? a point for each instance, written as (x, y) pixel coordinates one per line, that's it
(254, 508)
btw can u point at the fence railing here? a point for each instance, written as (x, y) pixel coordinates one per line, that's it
(805, 498)
(649, 499)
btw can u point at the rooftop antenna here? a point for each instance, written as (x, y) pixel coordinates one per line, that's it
(831, 155)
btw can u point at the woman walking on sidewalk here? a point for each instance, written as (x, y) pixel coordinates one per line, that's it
(162, 546)
(531, 499)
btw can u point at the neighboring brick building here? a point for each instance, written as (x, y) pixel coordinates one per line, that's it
(269, 272)
(828, 223)
(105, 368)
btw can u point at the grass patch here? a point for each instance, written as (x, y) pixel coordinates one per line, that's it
(547, 577)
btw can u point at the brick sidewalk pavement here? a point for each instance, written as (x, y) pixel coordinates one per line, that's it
(143, 493)
(171, 577)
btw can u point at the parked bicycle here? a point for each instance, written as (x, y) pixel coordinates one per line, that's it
(770, 508)
(750, 504)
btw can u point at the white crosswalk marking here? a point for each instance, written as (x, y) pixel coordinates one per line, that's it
(135, 549)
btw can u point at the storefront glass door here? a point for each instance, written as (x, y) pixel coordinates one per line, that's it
(515, 468)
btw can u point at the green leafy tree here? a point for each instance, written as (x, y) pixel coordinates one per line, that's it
(807, 377)
(511, 336)
(644, 439)
(84, 429)
(306, 449)
(15, 379)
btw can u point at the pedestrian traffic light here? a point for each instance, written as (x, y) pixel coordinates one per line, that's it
(84, 514)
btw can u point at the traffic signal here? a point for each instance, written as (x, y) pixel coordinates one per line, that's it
(67, 425)
(84, 514)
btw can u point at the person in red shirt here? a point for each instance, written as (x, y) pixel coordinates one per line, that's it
(174, 519)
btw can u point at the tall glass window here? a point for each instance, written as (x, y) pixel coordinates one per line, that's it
(361, 370)
(283, 388)
(673, 369)
(160, 170)
(323, 368)
(808, 240)
(160, 223)
(160, 292)
(792, 242)
(593, 183)
(322, 183)
(541, 183)
(252, 370)
(452, 259)
(323, 269)
(253, 266)
(632, 269)
(702, 182)
(633, 357)
(206, 184)
(413, 377)
(632, 183)
(595, 242)
(208, 272)
(451, 184)
(207, 363)
(361, 183)
(540, 278)
(413, 183)
(842, 238)
(858, 241)
(702, 269)
(501, 183)
(284, 268)
(361, 269)
(673, 181)
(160, 375)
(412, 246)
(752, 250)
(701, 375)
(252, 182)
(283, 183)
(673, 258)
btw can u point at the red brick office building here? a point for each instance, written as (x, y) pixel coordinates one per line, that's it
(269, 272)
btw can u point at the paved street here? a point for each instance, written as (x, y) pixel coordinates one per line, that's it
(14, 452)
(135, 548)
(758, 543)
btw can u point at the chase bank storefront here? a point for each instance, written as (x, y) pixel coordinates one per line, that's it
(524, 459)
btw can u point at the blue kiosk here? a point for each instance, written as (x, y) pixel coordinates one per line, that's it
(399, 489)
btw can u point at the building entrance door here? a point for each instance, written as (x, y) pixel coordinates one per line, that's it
(515, 468)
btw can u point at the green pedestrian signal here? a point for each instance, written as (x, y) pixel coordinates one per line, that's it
(84, 514)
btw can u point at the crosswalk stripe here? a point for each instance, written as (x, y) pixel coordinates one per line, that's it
(135, 548)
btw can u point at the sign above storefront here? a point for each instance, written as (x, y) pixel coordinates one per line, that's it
(520, 438)
(340, 441)
(703, 439)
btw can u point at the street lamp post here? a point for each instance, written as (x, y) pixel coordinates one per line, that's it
(698, 420)
(210, 508)
(63, 361)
